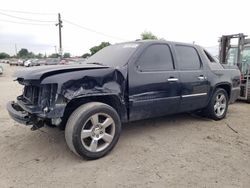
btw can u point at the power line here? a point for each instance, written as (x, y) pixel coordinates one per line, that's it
(24, 23)
(94, 31)
(33, 20)
(24, 18)
(25, 12)
(29, 44)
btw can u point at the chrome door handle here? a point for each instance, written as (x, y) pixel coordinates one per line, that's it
(202, 78)
(173, 79)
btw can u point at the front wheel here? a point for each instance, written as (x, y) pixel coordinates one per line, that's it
(218, 105)
(92, 130)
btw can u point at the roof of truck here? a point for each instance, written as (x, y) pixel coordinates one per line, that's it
(158, 41)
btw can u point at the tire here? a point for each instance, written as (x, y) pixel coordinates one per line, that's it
(93, 130)
(217, 107)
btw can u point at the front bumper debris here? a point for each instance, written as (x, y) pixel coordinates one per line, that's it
(18, 114)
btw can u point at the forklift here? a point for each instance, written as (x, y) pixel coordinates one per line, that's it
(238, 54)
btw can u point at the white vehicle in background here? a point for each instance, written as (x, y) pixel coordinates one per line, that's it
(20, 62)
(27, 63)
(1, 70)
(32, 62)
(13, 62)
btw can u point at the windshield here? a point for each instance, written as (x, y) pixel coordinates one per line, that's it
(246, 60)
(114, 55)
(246, 54)
(231, 56)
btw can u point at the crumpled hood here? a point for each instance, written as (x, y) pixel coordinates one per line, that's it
(77, 80)
(38, 73)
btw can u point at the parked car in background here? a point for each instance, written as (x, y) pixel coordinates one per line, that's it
(32, 62)
(71, 61)
(123, 83)
(79, 60)
(41, 62)
(27, 63)
(20, 62)
(1, 70)
(4, 61)
(52, 61)
(63, 62)
(13, 62)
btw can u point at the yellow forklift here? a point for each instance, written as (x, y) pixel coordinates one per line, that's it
(237, 54)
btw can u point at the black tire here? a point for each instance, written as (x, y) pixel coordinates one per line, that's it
(210, 110)
(80, 118)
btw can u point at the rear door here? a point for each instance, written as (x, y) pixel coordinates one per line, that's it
(154, 88)
(193, 78)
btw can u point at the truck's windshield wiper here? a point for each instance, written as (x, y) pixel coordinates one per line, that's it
(96, 63)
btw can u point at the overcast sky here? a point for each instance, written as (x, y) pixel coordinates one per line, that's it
(202, 21)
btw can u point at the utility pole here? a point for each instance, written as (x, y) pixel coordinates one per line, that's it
(59, 24)
(55, 50)
(16, 49)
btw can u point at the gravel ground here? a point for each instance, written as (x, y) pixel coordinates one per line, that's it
(176, 151)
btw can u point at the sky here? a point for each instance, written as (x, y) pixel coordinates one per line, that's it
(202, 21)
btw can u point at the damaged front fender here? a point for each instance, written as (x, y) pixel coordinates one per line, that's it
(89, 83)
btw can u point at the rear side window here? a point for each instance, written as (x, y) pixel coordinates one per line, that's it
(188, 58)
(156, 57)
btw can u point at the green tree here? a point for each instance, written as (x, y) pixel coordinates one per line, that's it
(85, 55)
(4, 55)
(147, 35)
(66, 55)
(31, 55)
(39, 56)
(95, 49)
(54, 55)
(23, 53)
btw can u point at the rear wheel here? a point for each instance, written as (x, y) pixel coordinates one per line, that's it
(218, 105)
(92, 130)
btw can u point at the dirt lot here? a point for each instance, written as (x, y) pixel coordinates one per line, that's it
(177, 151)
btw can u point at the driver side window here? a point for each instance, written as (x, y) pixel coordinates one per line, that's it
(156, 57)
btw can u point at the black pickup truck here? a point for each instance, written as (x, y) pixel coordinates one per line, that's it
(122, 83)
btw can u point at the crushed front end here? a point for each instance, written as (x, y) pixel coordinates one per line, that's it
(38, 104)
(48, 90)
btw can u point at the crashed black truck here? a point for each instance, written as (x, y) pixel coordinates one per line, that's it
(122, 83)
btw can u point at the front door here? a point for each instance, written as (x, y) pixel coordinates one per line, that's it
(154, 87)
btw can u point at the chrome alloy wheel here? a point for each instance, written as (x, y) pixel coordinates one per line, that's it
(98, 132)
(220, 104)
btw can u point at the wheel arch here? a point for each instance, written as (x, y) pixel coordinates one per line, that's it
(110, 99)
(226, 86)
(209, 110)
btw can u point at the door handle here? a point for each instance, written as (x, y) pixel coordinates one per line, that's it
(201, 77)
(173, 80)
